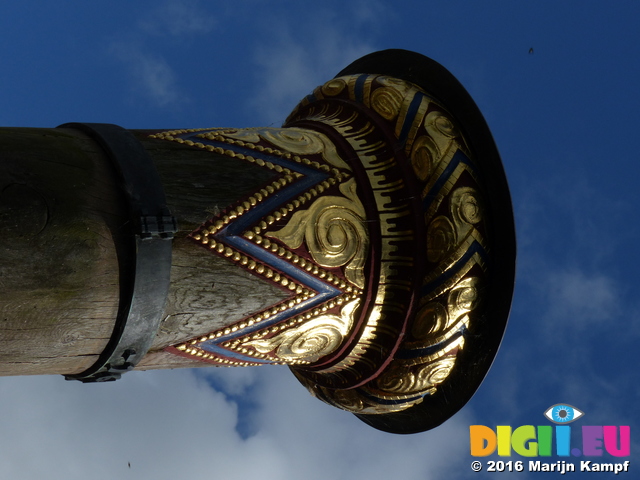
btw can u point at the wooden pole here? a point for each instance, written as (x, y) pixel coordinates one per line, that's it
(368, 244)
(61, 209)
(59, 270)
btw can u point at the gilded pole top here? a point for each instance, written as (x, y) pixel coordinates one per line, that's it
(389, 223)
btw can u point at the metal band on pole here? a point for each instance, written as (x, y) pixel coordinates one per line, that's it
(145, 271)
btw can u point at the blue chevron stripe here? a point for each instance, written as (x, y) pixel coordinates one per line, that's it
(231, 235)
(409, 118)
(311, 177)
(474, 248)
(358, 88)
(223, 352)
(423, 352)
(458, 158)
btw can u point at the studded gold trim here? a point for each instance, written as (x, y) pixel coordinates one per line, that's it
(400, 197)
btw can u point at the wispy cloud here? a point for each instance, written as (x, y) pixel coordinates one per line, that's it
(181, 424)
(368, 13)
(571, 304)
(178, 18)
(294, 60)
(292, 424)
(151, 74)
(564, 257)
(580, 298)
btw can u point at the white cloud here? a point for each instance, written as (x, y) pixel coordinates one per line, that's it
(295, 60)
(236, 383)
(580, 298)
(67, 430)
(152, 75)
(169, 423)
(568, 240)
(371, 12)
(178, 18)
(325, 442)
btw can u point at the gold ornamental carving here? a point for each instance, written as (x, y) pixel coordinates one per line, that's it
(315, 339)
(334, 230)
(375, 224)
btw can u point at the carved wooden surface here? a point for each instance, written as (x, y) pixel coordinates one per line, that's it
(207, 292)
(60, 208)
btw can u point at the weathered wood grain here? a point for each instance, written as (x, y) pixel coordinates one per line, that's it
(58, 262)
(207, 292)
(61, 213)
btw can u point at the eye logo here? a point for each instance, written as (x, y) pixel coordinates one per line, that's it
(563, 413)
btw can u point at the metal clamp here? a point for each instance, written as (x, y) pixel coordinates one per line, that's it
(145, 279)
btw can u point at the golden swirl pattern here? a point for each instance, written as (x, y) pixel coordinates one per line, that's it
(335, 232)
(441, 141)
(387, 102)
(294, 140)
(390, 339)
(463, 299)
(400, 86)
(422, 380)
(431, 318)
(352, 400)
(465, 206)
(436, 121)
(313, 339)
(437, 372)
(334, 87)
(434, 320)
(422, 157)
(441, 238)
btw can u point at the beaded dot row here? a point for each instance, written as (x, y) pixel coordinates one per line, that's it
(238, 343)
(171, 133)
(244, 207)
(197, 352)
(302, 262)
(205, 232)
(219, 137)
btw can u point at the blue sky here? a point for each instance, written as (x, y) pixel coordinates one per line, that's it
(564, 119)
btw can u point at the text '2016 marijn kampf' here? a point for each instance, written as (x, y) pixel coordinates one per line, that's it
(584, 466)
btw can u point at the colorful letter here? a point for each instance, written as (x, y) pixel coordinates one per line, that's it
(592, 440)
(610, 441)
(482, 439)
(545, 433)
(522, 441)
(563, 440)
(504, 440)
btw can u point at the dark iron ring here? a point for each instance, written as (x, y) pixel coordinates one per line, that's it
(145, 264)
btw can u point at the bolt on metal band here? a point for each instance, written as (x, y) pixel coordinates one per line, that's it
(144, 260)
